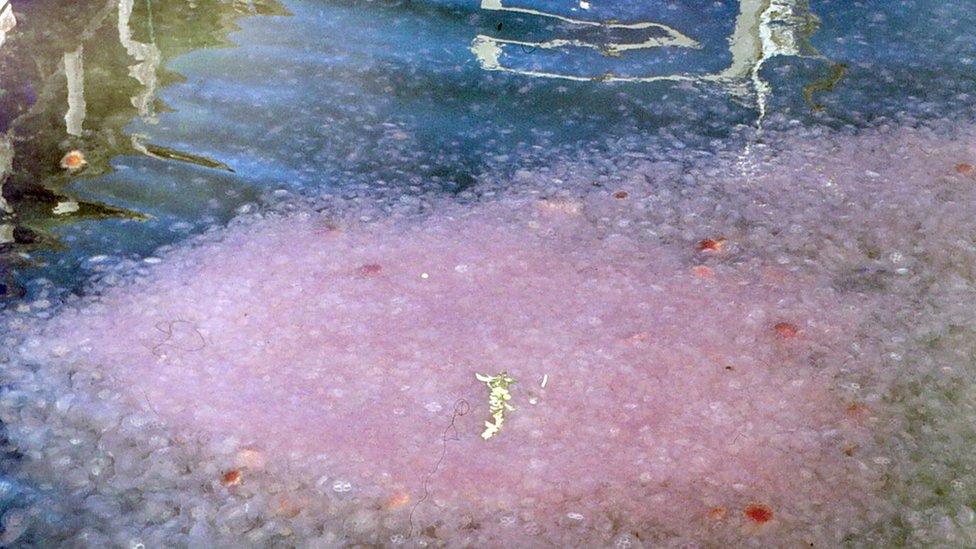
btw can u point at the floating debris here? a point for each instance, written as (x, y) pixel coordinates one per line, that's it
(66, 207)
(166, 153)
(826, 84)
(497, 401)
(965, 168)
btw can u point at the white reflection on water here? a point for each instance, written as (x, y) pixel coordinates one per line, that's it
(671, 36)
(7, 20)
(7, 23)
(6, 166)
(148, 57)
(763, 29)
(74, 72)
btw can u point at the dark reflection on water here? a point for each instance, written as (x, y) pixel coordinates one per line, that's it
(182, 122)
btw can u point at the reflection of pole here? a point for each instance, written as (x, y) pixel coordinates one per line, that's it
(488, 51)
(6, 166)
(763, 29)
(674, 37)
(74, 71)
(612, 48)
(149, 58)
(7, 19)
(7, 23)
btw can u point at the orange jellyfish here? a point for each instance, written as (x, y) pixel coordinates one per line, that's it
(786, 330)
(703, 271)
(712, 245)
(760, 514)
(370, 269)
(231, 478)
(73, 161)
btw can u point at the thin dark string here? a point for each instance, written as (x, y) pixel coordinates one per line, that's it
(461, 407)
(166, 328)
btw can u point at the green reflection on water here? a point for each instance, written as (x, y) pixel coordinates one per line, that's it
(74, 76)
(826, 84)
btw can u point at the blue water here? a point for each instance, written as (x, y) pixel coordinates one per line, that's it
(354, 96)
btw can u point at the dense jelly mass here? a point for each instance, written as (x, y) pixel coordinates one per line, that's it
(664, 391)
(313, 376)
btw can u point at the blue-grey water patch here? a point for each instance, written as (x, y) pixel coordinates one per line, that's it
(324, 96)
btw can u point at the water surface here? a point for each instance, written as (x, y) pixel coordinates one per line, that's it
(724, 250)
